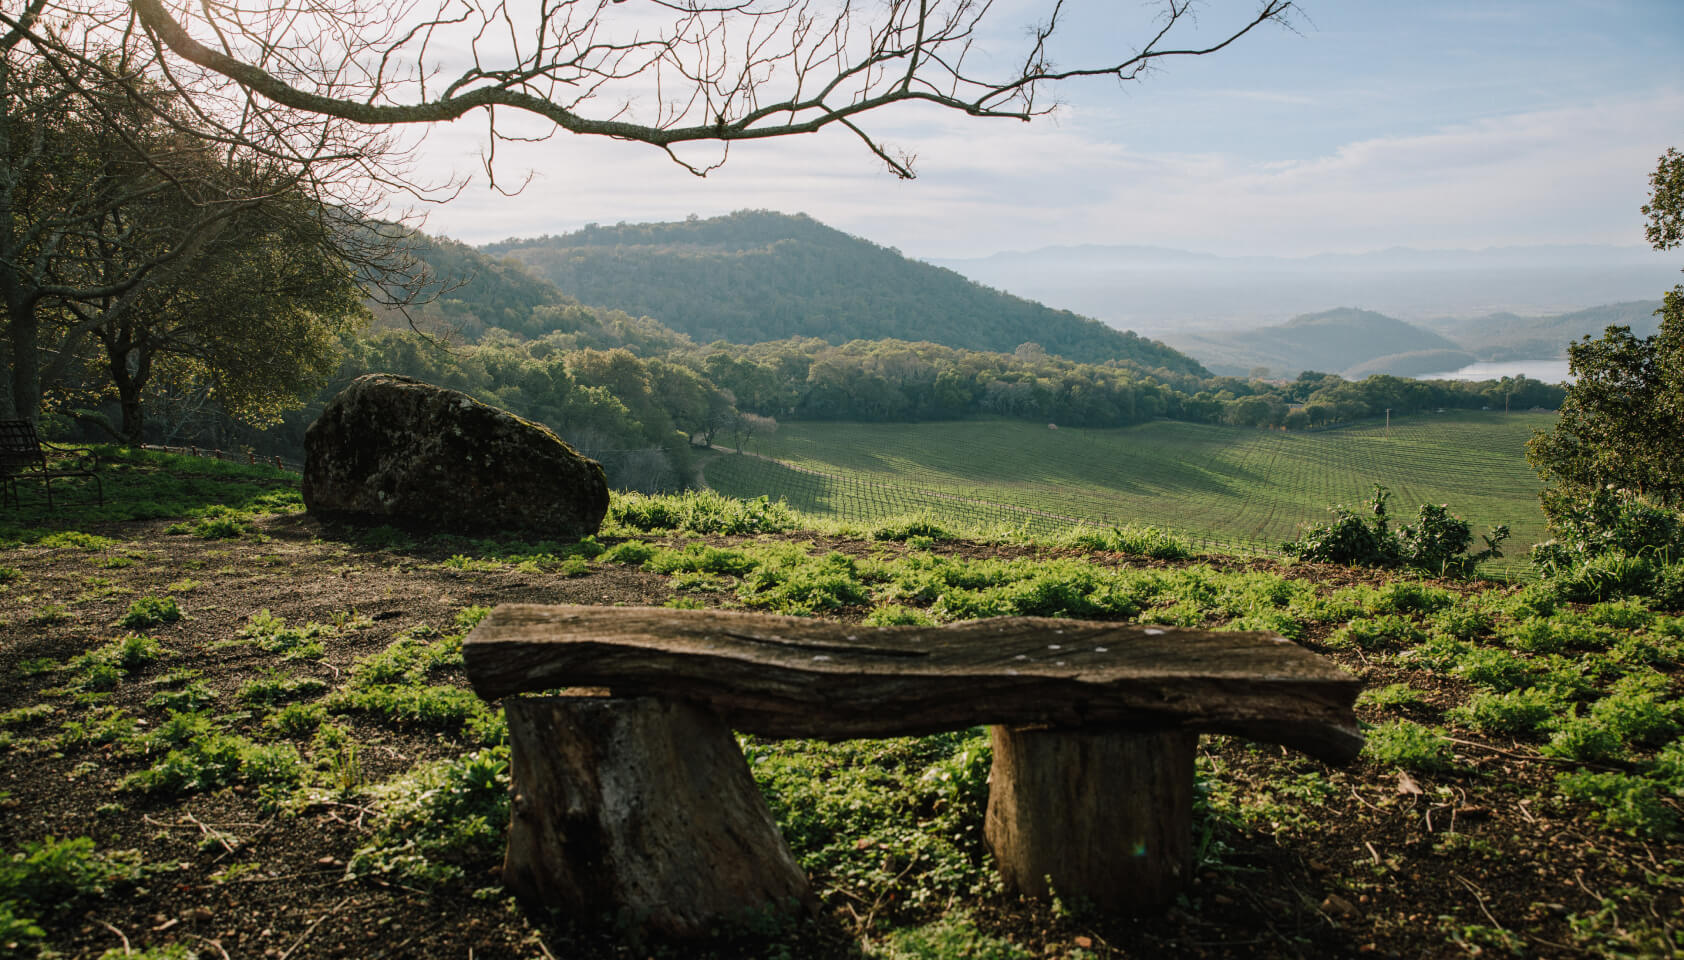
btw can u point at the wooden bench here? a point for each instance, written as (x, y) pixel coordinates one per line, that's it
(23, 455)
(639, 803)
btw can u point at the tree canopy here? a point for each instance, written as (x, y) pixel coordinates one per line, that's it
(1620, 419)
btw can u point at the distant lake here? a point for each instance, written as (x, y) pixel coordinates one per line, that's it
(1549, 371)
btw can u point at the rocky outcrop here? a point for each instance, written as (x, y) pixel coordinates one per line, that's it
(390, 449)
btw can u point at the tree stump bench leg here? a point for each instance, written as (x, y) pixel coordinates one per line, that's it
(643, 809)
(1105, 817)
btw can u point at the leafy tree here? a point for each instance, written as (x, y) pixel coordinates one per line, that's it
(1620, 419)
(125, 202)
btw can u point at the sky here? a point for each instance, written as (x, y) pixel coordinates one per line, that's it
(1372, 124)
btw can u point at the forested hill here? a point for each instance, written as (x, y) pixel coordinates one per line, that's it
(469, 293)
(756, 276)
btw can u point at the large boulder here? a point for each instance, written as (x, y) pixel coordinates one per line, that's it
(389, 449)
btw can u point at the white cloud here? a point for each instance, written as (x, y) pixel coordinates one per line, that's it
(1570, 174)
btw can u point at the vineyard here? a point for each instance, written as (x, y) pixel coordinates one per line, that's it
(1224, 488)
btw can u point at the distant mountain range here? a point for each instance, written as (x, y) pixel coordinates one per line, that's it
(1159, 291)
(1357, 343)
(755, 276)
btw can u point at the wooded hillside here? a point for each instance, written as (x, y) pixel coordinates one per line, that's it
(756, 276)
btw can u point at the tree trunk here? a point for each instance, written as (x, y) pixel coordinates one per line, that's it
(642, 810)
(1104, 818)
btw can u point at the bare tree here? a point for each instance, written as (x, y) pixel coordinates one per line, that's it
(662, 72)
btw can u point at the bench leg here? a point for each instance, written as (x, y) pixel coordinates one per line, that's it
(643, 810)
(1106, 818)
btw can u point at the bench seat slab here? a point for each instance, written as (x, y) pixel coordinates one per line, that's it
(778, 676)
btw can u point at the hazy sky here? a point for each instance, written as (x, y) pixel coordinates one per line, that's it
(1379, 123)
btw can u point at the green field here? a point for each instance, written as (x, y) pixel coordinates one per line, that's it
(1241, 487)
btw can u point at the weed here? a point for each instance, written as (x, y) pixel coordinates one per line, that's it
(50, 875)
(1621, 800)
(1515, 713)
(1584, 739)
(36, 666)
(632, 553)
(189, 698)
(894, 615)
(98, 727)
(212, 759)
(437, 819)
(10, 575)
(916, 525)
(699, 511)
(20, 716)
(150, 611)
(272, 635)
(276, 688)
(954, 937)
(76, 540)
(1396, 696)
(297, 719)
(135, 651)
(1385, 632)
(48, 614)
(1409, 745)
(184, 585)
(463, 563)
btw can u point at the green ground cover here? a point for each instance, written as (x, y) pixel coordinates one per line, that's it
(1225, 486)
(256, 739)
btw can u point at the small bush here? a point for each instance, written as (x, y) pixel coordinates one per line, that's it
(1436, 543)
(150, 612)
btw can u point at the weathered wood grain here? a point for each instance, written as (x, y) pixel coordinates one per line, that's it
(1101, 817)
(794, 677)
(641, 811)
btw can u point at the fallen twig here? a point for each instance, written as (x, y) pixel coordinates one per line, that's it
(312, 928)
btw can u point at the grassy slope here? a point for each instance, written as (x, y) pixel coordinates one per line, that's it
(1209, 481)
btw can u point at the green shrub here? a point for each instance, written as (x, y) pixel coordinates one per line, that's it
(1435, 543)
(150, 612)
(1406, 744)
